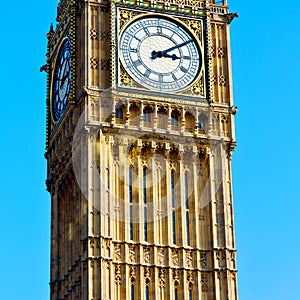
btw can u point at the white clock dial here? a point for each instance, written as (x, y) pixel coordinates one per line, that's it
(159, 54)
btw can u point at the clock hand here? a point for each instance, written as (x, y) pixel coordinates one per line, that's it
(64, 79)
(159, 54)
(155, 54)
(173, 56)
(177, 46)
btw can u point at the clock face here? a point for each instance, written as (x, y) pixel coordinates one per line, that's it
(61, 81)
(160, 54)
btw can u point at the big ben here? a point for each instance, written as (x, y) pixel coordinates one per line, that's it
(140, 132)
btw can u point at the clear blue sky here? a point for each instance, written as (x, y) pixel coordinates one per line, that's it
(266, 64)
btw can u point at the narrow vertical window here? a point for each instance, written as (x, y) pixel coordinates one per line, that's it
(132, 292)
(119, 113)
(174, 119)
(173, 207)
(130, 205)
(199, 122)
(190, 295)
(187, 228)
(147, 116)
(145, 202)
(175, 294)
(187, 219)
(147, 292)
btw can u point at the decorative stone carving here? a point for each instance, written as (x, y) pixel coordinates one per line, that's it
(132, 274)
(176, 277)
(161, 277)
(92, 243)
(126, 80)
(132, 253)
(160, 256)
(105, 36)
(222, 79)
(147, 275)
(213, 51)
(189, 278)
(233, 276)
(201, 217)
(92, 264)
(203, 260)
(175, 258)
(162, 109)
(221, 275)
(194, 25)
(94, 62)
(220, 254)
(104, 64)
(117, 252)
(221, 257)
(94, 34)
(147, 255)
(126, 16)
(214, 79)
(204, 282)
(189, 259)
(107, 265)
(118, 276)
(221, 52)
(198, 87)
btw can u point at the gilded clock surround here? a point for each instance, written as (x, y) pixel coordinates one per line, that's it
(127, 16)
(92, 254)
(54, 70)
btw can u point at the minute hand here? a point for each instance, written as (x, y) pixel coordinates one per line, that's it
(177, 46)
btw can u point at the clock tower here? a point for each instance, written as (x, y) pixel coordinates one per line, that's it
(140, 131)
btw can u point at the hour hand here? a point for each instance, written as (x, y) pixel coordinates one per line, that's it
(173, 56)
(159, 54)
(155, 54)
(63, 79)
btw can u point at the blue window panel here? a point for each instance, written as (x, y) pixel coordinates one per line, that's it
(147, 116)
(173, 207)
(132, 292)
(174, 119)
(175, 294)
(145, 185)
(130, 205)
(190, 295)
(187, 228)
(131, 222)
(173, 227)
(186, 191)
(130, 185)
(119, 113)
(145, 224)
(145, 202)
(173, 189)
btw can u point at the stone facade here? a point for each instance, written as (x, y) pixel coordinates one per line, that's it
(140, 182)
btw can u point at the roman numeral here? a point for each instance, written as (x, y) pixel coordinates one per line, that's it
(184, 70)
(137, 63)
(147, 73)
